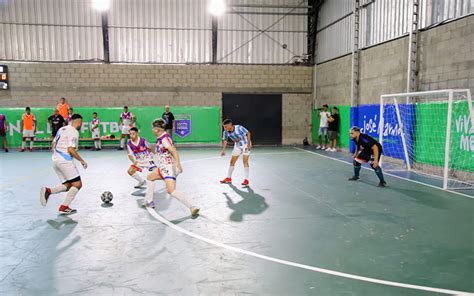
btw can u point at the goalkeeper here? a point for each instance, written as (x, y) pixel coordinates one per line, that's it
(367, 150)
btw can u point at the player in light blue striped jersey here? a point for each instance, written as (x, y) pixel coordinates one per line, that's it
(242, 145)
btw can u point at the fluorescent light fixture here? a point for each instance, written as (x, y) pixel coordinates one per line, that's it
(101, 5)
(217, 7)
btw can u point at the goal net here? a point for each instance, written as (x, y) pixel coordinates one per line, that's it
(431, 133)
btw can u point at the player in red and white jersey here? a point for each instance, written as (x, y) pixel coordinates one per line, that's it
(169, 167)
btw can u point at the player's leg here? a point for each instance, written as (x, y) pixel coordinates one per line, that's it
(5, 144)
(362, 157)
(75, 186)
(379, 173)
(180, 196)
(325, 133)
(319, 140)
(32, 141)
(150, 188)
(233, 160)
(245, 159)
(23, 143)
(133, 172)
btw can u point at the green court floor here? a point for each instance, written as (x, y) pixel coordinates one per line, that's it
(300, 208)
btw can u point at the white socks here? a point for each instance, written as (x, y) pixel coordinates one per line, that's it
(58, 189)
(182, 198)
(247, 172)
(23, 143)
(231, 170)
(122, 142)
(71, 194)
(137, 177)
(97, 144)
(31, 145)
(150, 189)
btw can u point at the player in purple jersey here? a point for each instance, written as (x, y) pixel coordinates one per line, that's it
(140, 153)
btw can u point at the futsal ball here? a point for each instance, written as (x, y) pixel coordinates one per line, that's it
(107, 196)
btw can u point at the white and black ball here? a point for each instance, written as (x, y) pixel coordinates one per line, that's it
(106, 196)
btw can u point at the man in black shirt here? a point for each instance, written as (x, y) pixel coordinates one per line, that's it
(333, 127)
(367, 150)
(56, 121)
(168, 117)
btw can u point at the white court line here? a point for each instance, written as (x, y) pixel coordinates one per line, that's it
(385, 173)
(161, 219)
(299, 265)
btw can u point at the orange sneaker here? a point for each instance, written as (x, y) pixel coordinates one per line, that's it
(226, 181)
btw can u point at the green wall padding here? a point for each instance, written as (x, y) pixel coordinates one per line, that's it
(430, 138)
(345, 114)
(205, 122)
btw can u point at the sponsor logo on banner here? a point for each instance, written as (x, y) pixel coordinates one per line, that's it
(465, 131)
(183, 125)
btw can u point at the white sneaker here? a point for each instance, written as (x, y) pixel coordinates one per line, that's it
(140, 184)
(194, 211)
(318, 147)
(328, 149)
(334, 150)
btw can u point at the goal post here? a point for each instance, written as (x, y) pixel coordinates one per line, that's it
(431, 133)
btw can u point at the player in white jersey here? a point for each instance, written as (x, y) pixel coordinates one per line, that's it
(127, 120)
(169, 166)
(64, 152)
(242, 145)
(140, 153)
(95, 132)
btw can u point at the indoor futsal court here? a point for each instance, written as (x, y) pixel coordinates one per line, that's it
(234, 147)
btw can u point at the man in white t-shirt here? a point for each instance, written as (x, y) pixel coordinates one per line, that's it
(323, 127)
(64, 151)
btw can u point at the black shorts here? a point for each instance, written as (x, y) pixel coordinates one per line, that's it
(367, 155)
(2, 132)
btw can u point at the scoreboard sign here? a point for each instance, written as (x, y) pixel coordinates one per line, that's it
(4, 77)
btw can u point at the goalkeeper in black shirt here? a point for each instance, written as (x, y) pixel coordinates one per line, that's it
(367, 150)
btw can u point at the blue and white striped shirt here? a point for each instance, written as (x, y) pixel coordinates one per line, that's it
(238, 136)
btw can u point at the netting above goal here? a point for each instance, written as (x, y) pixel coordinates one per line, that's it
(431, 133)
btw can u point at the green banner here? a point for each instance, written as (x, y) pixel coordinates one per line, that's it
(194, 124)
(345, 125)
(431, 136)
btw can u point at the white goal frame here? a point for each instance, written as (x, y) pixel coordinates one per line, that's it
(450, 95)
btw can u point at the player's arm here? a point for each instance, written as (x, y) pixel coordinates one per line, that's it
(376, 151)
(34, 124)
(73, 152)
(224, 146)
(330, 118)
(249, 141)
(134, 119)
(175, 154)
(356, 151)
(22, 123)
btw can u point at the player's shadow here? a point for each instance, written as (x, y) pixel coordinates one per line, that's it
(251, 204)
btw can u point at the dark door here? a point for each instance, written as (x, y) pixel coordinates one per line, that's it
(259, 113)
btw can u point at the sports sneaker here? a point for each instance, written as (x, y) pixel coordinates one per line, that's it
(333, 150)
(30, 149)
(382, 184)
(65, 210)
(22, 150)
(120, 148)
(44, 195)
(245, 182)
(194, 211)
(140, 184)
(318, 147)
(6, 149)
(354, 178)
(328, 149)
(150, 204)
(226, 181)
